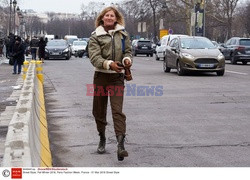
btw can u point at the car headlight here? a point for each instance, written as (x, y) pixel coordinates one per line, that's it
(66, 50)
(220, 56)
(186, 55)
(46, 50)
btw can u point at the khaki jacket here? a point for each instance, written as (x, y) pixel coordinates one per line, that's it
(106, 47)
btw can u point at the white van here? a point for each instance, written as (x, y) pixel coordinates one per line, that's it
(71, 38)
(163, 45)
(49, 37)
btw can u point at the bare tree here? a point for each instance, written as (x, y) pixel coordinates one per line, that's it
(247, 19)
(225, 11)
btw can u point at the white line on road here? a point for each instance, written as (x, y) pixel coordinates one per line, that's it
(234, 72)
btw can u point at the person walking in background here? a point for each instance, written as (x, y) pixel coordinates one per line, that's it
(109, 49)
(1, 47)
(34, 44)
(18, 55)
(7, 46)
(27, 44)
(10, 44)
(42, 44)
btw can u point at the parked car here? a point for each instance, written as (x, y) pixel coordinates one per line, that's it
(237, 49)
(193, 54)
(219, 46)
(142, 47)
(164, 44)
(57, 49)
(79, 48)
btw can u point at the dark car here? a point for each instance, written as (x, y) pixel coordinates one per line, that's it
(57, 49)
(193, 54)
(237, 49)
(142, 47)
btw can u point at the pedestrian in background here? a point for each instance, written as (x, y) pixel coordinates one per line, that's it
(107, 56)
(10, 41)
(42, 44)
(7, 46)
(27, 45)
(18, 55)
(1, 47)
(34, 44)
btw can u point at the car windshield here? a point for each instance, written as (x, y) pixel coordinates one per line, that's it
(245, 42)
(80, 43)
(57, 43)
(196, 43)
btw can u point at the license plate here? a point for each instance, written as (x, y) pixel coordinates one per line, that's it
(206, 65)
(55, 53)
(144, 47)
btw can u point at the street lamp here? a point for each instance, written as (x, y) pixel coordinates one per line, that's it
(19, 14)
(14, 7)
(10, 16)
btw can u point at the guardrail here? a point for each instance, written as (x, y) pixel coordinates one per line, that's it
(27, 142)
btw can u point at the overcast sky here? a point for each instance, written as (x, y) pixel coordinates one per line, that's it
(68, 6)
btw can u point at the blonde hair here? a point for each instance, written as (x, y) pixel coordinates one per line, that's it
(119, 16)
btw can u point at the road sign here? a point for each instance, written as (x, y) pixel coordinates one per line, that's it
(170, 31)
(163, 32)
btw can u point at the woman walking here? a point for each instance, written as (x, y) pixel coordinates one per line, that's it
(18, 55)
(109, 52)
(42, 43)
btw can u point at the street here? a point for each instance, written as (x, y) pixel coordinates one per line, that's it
(199, 120)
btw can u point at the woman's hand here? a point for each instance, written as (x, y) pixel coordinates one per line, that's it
(115, 67)
(127, 63)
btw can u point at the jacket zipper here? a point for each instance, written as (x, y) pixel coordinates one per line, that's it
(113, 47)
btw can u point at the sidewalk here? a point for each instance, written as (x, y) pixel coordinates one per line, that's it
(9, 95)
(3, 60)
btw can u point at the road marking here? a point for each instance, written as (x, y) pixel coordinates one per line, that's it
(234, 72)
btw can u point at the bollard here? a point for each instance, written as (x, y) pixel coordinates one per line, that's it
(39, 70)
(25, 69)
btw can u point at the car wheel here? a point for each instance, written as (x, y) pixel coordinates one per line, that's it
(233, 60)
(220, 73)
(156, 57)
(180, 70)
(165, 66)
(244, 62)
(151, 55)
(147, 55)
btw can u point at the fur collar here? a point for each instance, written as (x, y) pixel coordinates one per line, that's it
(100, 30)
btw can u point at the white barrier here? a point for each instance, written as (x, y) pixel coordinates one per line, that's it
(27, 142)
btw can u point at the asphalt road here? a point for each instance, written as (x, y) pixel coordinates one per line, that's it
(199, 120)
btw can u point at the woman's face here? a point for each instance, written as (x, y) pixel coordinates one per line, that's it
(109, 18)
